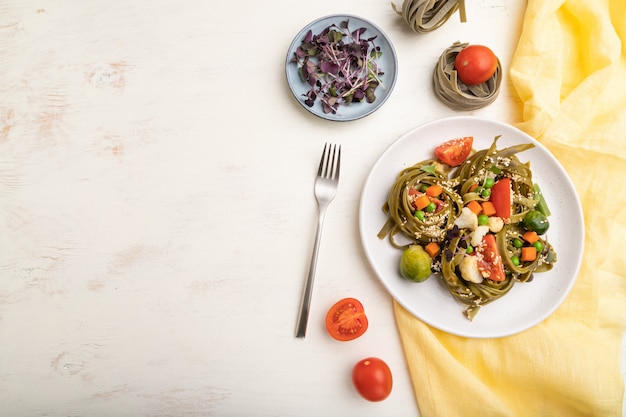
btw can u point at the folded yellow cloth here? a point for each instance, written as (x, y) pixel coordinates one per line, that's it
(569, 70)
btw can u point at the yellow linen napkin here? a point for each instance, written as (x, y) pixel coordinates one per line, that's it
(569, 70)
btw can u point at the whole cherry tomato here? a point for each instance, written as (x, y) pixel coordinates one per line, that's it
(475, 64)
(372, 379)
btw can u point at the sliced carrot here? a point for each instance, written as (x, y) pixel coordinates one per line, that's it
(432, 249)
(488, 208)
(434, 190)
(529, 253)
(530, 237)
(422, 201)
(474, 206)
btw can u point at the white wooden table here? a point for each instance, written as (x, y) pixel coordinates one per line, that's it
(157, 214)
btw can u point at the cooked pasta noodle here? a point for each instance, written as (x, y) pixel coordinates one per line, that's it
(461, 186)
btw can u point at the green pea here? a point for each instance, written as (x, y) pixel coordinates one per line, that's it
(431, 207)
(419, 214)
(518, 243)
(483, 219)
(488, 183)
(515, 260)
(538, 245)
(423, 188)
(486, 192)
(469, 250)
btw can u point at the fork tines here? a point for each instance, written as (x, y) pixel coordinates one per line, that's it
(330, 162)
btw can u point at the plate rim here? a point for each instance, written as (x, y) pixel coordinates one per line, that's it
(372, 107)
(458, 119)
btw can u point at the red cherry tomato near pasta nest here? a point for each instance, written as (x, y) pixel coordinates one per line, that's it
(475, 64)
(372, 379)
(455, 151)
(346, 320)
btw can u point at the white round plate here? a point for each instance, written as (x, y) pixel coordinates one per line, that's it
(527, 304)
(388, 63)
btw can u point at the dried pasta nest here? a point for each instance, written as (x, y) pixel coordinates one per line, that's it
(427, 15)
(456, 94)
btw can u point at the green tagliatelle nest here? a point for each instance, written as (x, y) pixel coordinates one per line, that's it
(427, 15)
(456, 94)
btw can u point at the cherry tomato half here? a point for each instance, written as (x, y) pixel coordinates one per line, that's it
(372, 379)
(490, 263)
(346, 319)
(475, 64)
(455, 151)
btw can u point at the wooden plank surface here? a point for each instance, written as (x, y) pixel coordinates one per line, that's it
(156, 207)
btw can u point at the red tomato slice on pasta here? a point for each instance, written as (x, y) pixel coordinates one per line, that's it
(489, 260)
(455, 151)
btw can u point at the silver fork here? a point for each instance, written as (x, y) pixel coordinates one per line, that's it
(325, 190)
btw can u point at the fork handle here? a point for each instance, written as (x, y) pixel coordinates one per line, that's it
(305, 303)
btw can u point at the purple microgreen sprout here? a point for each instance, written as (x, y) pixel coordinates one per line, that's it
(340, 66)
